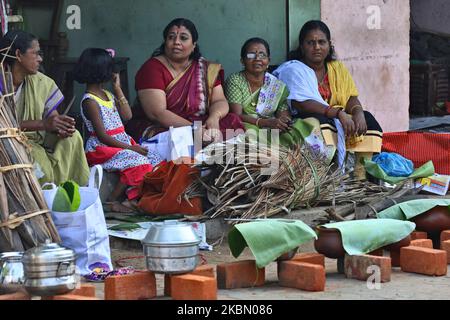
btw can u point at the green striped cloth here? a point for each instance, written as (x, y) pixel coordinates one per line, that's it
(268, 238)
(410, 209)
(364, 236)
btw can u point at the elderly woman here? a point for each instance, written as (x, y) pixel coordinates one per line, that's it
(260, 99)
(37, 98)
(177, 87)
(321, 87)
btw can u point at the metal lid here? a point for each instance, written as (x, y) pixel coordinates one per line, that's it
(11, 256)
(47, 253)
(171, 232)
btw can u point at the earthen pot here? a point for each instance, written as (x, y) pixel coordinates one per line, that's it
(329, 243)
(399, 244)
(434, 220)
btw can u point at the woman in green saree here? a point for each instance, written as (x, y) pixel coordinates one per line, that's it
(260, 99)
(37, 98)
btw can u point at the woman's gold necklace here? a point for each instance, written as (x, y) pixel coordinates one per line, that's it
(249, 84)
(173, 68)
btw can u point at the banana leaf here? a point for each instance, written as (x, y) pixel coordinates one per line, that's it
(125, 226)
(67, 198)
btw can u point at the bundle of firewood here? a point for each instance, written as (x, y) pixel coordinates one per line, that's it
(237, 187)
(25, 220)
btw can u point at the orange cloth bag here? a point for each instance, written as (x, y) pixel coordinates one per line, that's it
(162, 190)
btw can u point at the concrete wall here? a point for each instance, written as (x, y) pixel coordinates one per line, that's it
(300, 11)
(431, 15)
(134, 28)
(378, 59)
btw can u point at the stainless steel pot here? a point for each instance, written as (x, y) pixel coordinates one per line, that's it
(49, 270)
(171, 247)
(11, 272)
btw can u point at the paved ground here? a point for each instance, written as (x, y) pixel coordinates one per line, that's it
(402, 286)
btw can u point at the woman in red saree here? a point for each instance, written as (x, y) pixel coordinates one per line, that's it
(177, 87)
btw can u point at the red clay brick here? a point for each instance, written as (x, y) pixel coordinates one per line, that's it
(86, 290)
(356, 267)
(240, 274)
(193, 287)
(310, 257)
(423, 243)
(136, 286)
(301, 275)
(204, 270)
(20, 295)
(445, 235)
(416, 235)
(73, 297)
(395, 258)
(378, 253)
(445, 245)
(423, 260)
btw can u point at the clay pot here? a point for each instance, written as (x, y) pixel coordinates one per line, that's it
(329, 243)
(288, 255)
(434, 220)
(399, 244)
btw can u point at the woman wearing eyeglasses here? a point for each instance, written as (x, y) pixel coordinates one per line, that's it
(37, 98)
(259, 98)
(322, 88)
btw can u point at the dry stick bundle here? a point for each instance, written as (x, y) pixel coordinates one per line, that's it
(239, 189)
(25, 218)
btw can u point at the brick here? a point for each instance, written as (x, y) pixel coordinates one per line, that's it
(379, 253)
(423, 243)
(423, 260)
(193, 287)
(395, 258)
(415, 235)
(310, 257)
(135, 286)
(73, 297)
(445, 235)
(20, 295)
(357, 267)
(240, 274)
(445, 245)
(86, 290)
(301, 275)
(204, 270)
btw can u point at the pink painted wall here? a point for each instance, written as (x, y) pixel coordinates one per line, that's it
(377, 58)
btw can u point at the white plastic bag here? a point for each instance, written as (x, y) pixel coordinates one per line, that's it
(84, 231)
(172, 144)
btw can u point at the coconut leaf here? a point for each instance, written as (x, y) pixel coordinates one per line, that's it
(125, 226)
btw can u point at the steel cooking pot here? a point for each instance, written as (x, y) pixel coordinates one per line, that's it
(49, 270)
(171, 247)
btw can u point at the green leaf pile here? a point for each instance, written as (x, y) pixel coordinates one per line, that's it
(67, 198)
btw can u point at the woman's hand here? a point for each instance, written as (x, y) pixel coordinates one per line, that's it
(63, 126)
(347, 123)
(139, 149)
(360, 123)
(274, 123)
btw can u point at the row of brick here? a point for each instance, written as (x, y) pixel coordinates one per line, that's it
(306, 271)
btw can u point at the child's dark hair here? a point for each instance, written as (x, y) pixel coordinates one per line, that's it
(95, 65)
(20, 40)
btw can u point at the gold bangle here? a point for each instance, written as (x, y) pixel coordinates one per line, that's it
(220, 115)
(257, 120)
(356, 105)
